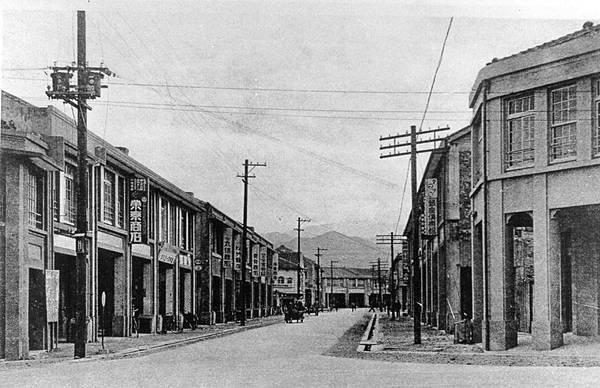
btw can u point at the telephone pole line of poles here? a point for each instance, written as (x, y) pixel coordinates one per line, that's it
(384, 239)
(89, 84)
(300, 222)
(377, 264)
(416, 270)
(318, 254)
(331, 282)
(245, 178)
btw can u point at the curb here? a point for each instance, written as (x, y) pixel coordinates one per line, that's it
(135, 352)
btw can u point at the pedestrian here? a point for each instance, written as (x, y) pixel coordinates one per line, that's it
(372, 307)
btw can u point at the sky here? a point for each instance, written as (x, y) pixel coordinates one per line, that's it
(305, 87)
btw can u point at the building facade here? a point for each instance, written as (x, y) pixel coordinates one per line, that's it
(535, 167)
(153, 249)
(342, 287)
(445, 233)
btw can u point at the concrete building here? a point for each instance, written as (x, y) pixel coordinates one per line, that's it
(344, 286)
(536, 167)
(445, 234)
(286, 282)
(154, 248)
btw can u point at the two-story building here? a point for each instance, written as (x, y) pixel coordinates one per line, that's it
(445, 232)
(535, 167)
(153, 249)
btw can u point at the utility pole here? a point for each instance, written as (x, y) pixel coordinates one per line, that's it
(89, 84)
(300, 222)
(331, 281)
(379, 281)
(416, 273)
(391, 239)
(318, 254)
(245, 178)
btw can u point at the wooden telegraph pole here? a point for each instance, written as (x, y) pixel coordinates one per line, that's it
(245, 178)
(89, 84)
(416, 269)
(318, 254)
(300, 222)
(384, 239)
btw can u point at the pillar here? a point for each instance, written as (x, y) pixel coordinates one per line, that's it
(16, 279)
(500, 325)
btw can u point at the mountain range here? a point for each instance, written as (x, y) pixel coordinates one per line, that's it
(346, 250)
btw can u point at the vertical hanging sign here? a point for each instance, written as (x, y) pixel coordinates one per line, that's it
(138, 210)
(430, 207)
(275, 263)
(237, 242)
(227, 248)
(263, 261)
(255, 270)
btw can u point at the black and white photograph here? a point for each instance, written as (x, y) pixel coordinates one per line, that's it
(336, 193)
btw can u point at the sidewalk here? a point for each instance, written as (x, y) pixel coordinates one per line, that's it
(436, 346)
(119, 347)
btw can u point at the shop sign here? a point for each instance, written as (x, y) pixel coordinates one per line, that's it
(138, 210)
(430, 207)
(237, 253)
(227, 249)
(197, 264)
(167, 257)
(255, 269)
(185, 261)
(52, 287)
(275, 263)
(263, 261)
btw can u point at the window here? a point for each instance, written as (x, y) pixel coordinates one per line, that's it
(519, 132)
(563, 129)
(280, 280)
(151, 215)
(164, 220)
(56, 197)
(109, 197)
(290, 280)
(70, 207)
(183, 219)
(36, 200)
(596, 128)
(121, 202)
(173, 224)
(190, 234)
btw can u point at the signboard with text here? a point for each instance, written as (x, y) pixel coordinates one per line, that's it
(263, 261)
(138, 210)
(430, 207)
(237, 242)
(275, 263)
(255, 268)
(227, 248)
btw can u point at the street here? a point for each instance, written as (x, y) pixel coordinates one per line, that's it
(282, 355)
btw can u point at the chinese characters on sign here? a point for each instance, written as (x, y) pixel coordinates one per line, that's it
(255, 261)
(430, 207)
(138, 210)
(263, 261)
(238, 253)
(227, 249)
(275, 263)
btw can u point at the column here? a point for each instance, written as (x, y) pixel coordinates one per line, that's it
(546, 328)
(16, 287)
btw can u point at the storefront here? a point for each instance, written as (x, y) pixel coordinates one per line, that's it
(167, 259)
(142, 290)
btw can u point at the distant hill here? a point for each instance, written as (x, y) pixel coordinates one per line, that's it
(348, 251)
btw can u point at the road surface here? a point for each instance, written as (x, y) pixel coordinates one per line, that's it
(283, 355)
